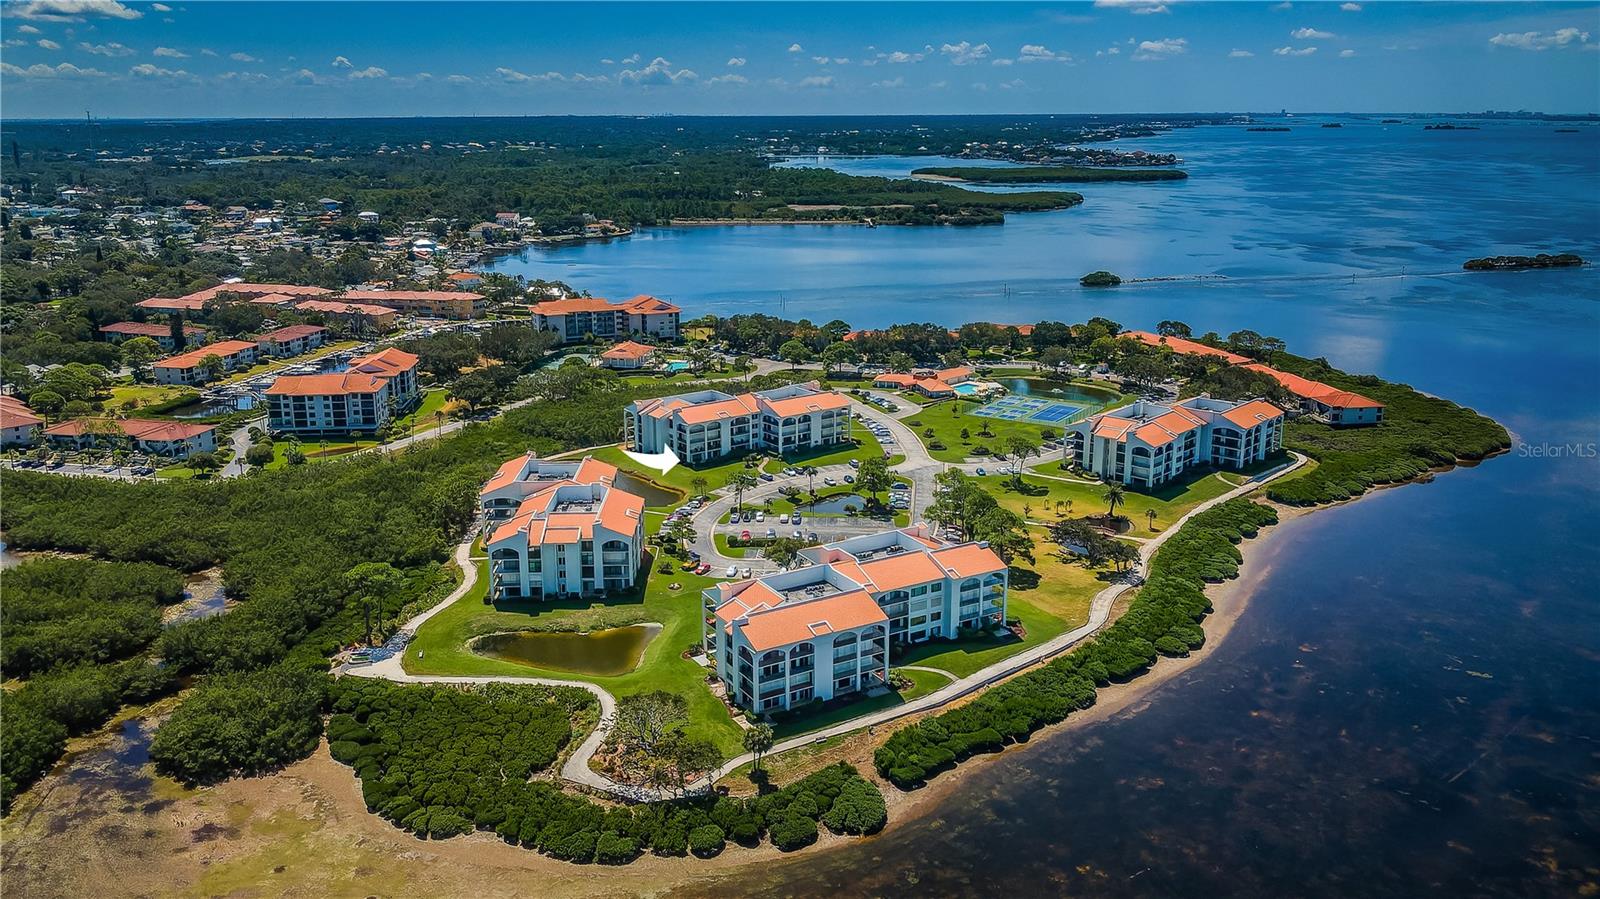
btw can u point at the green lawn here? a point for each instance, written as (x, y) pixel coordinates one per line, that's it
(963, 657)
(146, 394)
(721, 540)
(422, 417)
(1040, 496)
(317, 452)
(869, 448)
(680, 478)
(922, 683)
(441, 645)
(949, 418)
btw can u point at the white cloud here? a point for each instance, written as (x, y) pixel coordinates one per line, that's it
(1538, 40)
(728, 79)
(658, 73)
(1001, 61)
(13, 42)
(1284, 5)
(341, 62)
(459, 79)
(820, 60)
(890, 83)
(965, 52)
(146, 70)
(1346, 54)
(67, 10)
(631, 60)
(796, 48)
(1310, 34)
(40, 70)
(1350, 7)
(735, 61)
(1291, 51)
(1236, 53)
(242, 57)
(207, 51)
(1166, 48)
(170, 53)
(111, 49)
(370, 72)
(841, 60)
(1012, 84)
(816, 81)
(1041, 53)
(243, 77)
(608, 61)
(160, 7)
(939, 85)
(48, 44)
(1137, 7)
(27, 29)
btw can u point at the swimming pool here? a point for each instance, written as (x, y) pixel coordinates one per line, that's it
(1023, 408)
(966, 388)
(675, 367)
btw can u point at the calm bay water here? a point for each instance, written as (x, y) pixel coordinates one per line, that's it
(1412, 702)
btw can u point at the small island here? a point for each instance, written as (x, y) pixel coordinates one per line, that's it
(1041, 174)
(1518, 263)
(1269, 128)
(1100, 279)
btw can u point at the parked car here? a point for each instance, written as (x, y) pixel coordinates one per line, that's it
(733, 571)
(830, 482)
(795, 518)
(761, 516)
(849, 479)
(771, 534)
(744, 535)
(765, 476)
(855, 463)
(980, 471)
(745, 572)
(812, 537)
(784, 518)
(797, 534)
(734, 518)
(703, 569)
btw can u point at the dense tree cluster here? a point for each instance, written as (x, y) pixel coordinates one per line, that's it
(60, 612)
(242, 723)
(442, 761)
(1163, 619)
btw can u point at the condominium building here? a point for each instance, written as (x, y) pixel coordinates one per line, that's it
(1185, 347)
(361, 316)
(1148, 444)
(292, 340)
(117, 332)
(581, 318)
(19, 425)
(570, 533)
(196, 302)
(710, 424)
(824, 630)
(374, 390)
(1342, 408)
(156, 437)
(453, 304)
(187, 367)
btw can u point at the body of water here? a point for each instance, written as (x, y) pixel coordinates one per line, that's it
(1412, 703)
(602, 653)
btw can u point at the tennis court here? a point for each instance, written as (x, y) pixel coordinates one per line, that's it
(1026, 408)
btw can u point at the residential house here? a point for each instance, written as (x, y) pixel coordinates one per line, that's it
(823, 631)
(19, 425)
(161, 334)
(582, 318)
(292, 340)
(453, 304)
(1148, 444)
(1341, 408)
(709, 424)
(357, 316)
(464, 280)
(570, 533)
(628, 355)
(373, 391)
(935, 384)
(186, 368)
(155, 437)
(368, 217)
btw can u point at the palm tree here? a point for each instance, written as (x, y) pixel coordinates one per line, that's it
(757, 740)
(1150, 517)
(438, 419)
(811, 479)
(740, 482)
(699, 485)
(1114, 497)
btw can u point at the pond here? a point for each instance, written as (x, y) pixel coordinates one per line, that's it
(1077, 394)
(655, 495)
(835, 504)
(604, 653)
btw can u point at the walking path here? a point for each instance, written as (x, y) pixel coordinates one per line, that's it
(577, 770)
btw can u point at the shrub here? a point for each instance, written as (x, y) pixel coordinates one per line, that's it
(858, 809)
(30, 742)
(794, 831)
(707, 840)
(243, 723)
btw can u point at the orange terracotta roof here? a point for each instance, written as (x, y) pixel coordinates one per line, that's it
(744, 597)
(1185, 347)
(337, 308)
(952, 374)
(507, 474)
(14, 413)
(797, 622)
(644, 304)
(1252, 413)
(337, 384)
(246, 288)
(192, 358)
(1113, 427)
(137, 428)
(621, 511)
(574, 304)
(1305, 388)
(700, 413)
(900, 571)
(895, 379)
(379, 296)
(146, 329)
(968, 560)
(629, 349)
(1344, 399)
(274, 299)
(385, 362)
(170, 303)
(594, 471)
(292, 332)
(815, 402)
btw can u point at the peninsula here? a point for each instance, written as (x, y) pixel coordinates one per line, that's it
(1044, 174)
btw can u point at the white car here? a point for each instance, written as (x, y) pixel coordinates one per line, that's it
(784, 518)
(829, 481)
(761, 516)
(733, 571)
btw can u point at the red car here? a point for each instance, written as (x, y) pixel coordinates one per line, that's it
(744, 535)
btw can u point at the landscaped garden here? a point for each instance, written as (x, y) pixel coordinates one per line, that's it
(958, 434)
(1048, 498)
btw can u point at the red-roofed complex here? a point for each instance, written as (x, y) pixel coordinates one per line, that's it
(292, 340)
(580, 318)
(361, 316)
(628, 354)
(1148, 444)
(186, 367)
(158, 437)
(569, 531)
(373, 391)
(824, 630)
(19, 426)
(928, 382)
(1335, 406)
(195, 302)
(453, 304)
(1185, 347)
(710, 424)
(161, 334)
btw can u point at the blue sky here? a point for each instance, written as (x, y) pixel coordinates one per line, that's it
(207, 59)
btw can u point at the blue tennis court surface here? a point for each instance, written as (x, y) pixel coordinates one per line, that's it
(1025, 408)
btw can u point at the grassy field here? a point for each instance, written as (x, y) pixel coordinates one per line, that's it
(1039, 497)
(441, 645)
(922, 683)
(422, 418)
(949, 418)
(146, 394)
